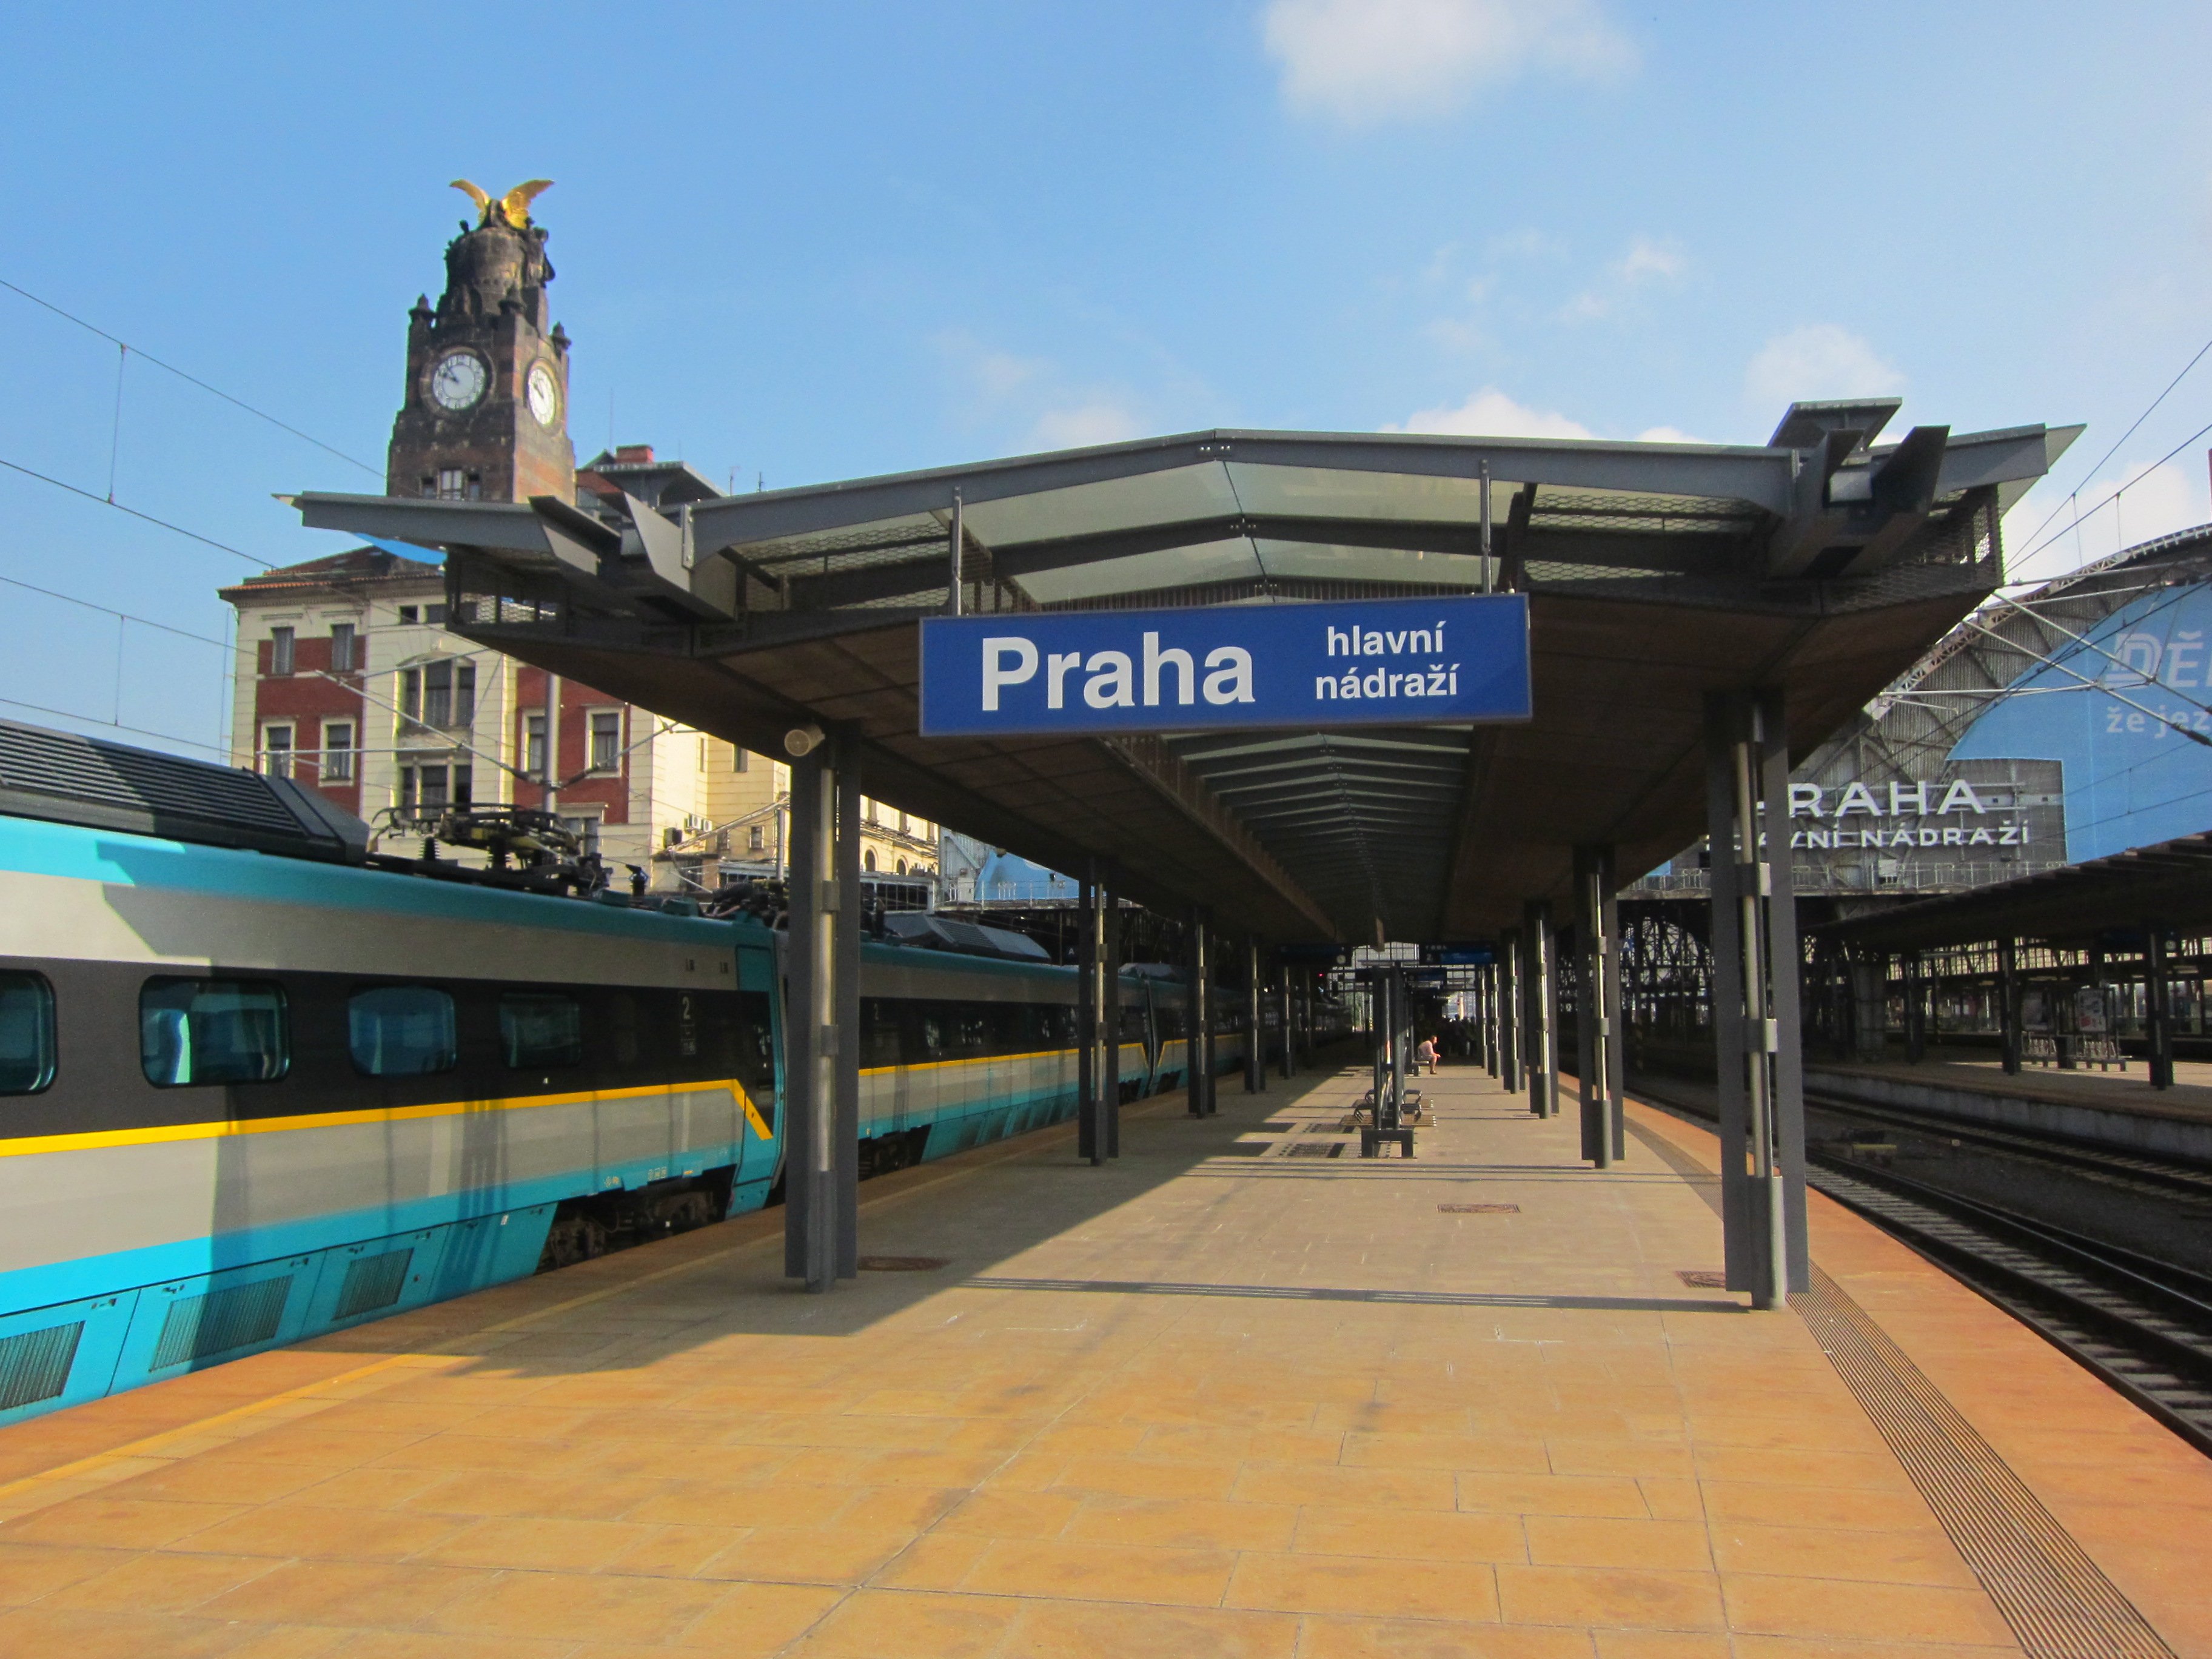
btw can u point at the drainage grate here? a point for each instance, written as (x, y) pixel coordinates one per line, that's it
(1702, 1279)
(374, 1282)
(1479, 1209)
(2057, 1602)
(1314, 1149)
(901, 1264)
(35, 1365)
(198, 1326)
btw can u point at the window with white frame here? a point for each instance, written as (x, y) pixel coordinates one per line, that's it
(738, 757)
(337, 752)
(341, 645)
(533, 745)
(277, 750)
(606, 740)
(441, 694)
(754, 839)
(280, 650)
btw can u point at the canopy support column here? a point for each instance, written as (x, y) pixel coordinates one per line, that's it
(1197, 1021)
(2158, 1006)
(1507, 1010)
(1255, 1033)
(1597, 1025)
(1283, 1014)
(2008, 1002)
(1755, 961)
(822, 1076)
(1109, 1114)
(1089, 948)
(1540, 1015)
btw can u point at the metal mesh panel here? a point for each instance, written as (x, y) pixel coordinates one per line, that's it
(35, 1365)
(238, 1317)
(374, 1282)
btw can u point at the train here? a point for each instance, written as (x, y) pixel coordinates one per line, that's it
(356, 1088)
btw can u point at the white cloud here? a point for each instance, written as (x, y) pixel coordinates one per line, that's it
(1094, 421)
(1363, 61)
(1818, 362)
(1491, 413)
(1646, 262)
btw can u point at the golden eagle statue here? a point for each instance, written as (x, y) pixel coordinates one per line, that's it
(512, 209)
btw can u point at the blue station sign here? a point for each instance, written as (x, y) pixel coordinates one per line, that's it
(1362, 662)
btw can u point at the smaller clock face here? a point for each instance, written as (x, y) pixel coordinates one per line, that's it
(544, 395)
(459, 380)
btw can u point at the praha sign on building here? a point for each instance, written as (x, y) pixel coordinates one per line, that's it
(1367, 662)
(1854, 804)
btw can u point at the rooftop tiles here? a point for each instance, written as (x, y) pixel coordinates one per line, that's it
(1214, 1400)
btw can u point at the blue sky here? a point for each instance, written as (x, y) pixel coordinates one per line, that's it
(802, 243)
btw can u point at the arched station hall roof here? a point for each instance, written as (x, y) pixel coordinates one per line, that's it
(1824, 563)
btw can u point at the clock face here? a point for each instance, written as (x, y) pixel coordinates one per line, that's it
(459, 380)
(544, 395)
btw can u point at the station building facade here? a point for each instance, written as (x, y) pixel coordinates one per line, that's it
(345, 676)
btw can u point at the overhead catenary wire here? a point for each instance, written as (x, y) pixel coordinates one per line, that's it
(2121, 440)
(191, 380)
(2079, 518)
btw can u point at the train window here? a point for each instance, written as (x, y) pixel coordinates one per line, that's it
(1013, 1028)
(212, 1030)
(539, 1028)
(402, 1030)
(879, 1032)
(621, 1022)
(26, 1033)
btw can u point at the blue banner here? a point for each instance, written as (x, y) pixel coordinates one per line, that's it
(1362, 662)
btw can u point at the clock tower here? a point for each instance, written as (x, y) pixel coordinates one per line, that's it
(486, 413)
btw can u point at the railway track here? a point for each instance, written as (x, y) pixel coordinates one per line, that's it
(2143, 1325)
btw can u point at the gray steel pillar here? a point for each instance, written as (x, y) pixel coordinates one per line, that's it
(1198, 1041)
(2008, 1004)
(1283, 1014)
(1255, 1034)
(1756, 1029)
(1869, 973)
(1089, 1142)
(1109, 1020)
(822, 1016)
(1916, 1012)
(1507, 1009)
(1540, 1019)
(1597, 1004)
(2158, 1007)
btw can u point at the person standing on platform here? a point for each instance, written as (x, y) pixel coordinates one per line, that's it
(1427, 1055)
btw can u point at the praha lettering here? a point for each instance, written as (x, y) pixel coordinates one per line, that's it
(1111, 679)
(1905, 800)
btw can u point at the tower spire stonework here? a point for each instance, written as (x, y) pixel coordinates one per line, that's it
(486, 412)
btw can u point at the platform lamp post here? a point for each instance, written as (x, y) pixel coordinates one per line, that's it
(1088, 951)
(822, 1076)
(1755, 972)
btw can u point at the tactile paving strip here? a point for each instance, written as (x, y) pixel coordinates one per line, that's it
(2056, 1600)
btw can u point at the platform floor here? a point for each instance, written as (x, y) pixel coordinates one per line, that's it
(1223, 1399)
(2114, 1091)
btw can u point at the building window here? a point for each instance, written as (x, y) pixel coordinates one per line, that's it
(754, 839)
(408, 613)
(607, 741)
(586, 828)
(277, 750)
(702, 754)
(902, 825)
(337, 752)
(465, 787)
(280, 650)
(457, 483)
(738, 757)
(211, 1030)
(442, 693)
(533, 745)
(341, 649)
(868, 859)
(435, 615)
(902, 866)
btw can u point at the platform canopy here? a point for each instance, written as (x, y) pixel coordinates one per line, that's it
(1823, 563)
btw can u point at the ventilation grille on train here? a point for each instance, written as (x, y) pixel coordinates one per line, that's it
(198, 1326)
(374, 1282)
(35, 1365)
(112, 785)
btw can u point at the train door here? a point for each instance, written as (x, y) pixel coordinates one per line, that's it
(760, 1134)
